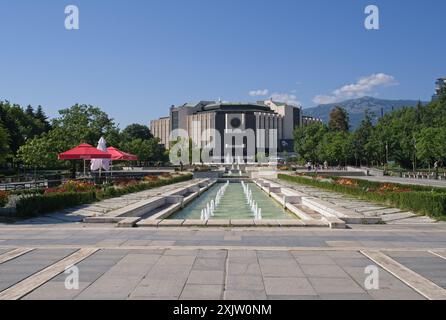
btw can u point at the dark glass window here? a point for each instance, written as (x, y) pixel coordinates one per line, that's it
(175, 120)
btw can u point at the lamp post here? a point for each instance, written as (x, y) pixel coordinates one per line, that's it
(414, 154)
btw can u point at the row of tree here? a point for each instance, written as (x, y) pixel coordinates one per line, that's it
(28, 137)
(409, 137)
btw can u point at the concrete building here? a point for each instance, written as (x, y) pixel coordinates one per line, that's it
(439, 86)
(271, 122)
(161, 129)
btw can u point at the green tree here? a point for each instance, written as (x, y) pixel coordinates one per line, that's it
(84, 124)
(40, 152)
(307, 141)
(4, 145)
(430, 145)
(362, 148)
(337, 147)
(147, 150)
(136, 131)
(30, 111)
(339, 120)
(41, 116)
(21, 125)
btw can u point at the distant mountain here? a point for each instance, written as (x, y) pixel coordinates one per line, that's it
(356, 108)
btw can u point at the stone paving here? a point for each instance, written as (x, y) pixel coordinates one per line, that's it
(216, 274)
(223, 263)
(368, 209)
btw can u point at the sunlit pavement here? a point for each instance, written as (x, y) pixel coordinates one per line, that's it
(194, 263)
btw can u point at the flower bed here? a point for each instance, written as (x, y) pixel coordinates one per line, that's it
(419, 199)
(73, 186)
(74, 193)
(4, 195)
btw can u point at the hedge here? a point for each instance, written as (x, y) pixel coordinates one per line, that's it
(112, 192)
(42, 204)
(422, 200)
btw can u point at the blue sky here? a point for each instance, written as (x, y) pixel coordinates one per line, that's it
(135, 58)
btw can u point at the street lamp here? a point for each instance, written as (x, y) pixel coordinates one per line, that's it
(414, 154)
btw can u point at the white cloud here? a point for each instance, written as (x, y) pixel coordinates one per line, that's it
(362, 87)
(286, 98)
(259, 93)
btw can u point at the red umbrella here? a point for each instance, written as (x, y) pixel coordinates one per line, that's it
(84, 152)
(118, 155)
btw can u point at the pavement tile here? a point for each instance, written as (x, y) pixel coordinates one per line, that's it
(209, 264)
(244, 295)
(280, 268)
(288, 286)
(250, 283)
(346, 296)
(395, 295)
(243, 269)
(324, 271)
(331, 285)
(292, 297)
(206, 277)
(202, 292)
(157, 288)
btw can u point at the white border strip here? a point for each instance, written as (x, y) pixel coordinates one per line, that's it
(13, 254)
(36, 280)
(420, 284)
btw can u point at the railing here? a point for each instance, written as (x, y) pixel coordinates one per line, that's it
(24, 185)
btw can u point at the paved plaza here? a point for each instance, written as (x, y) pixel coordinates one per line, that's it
(197, 263)
(406, 257)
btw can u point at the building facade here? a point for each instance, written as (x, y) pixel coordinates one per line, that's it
(439, 86)
(244, 129)
(161, 129)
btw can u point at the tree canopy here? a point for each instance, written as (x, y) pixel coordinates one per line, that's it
(86, 124)
(339, 120)
(407, 136)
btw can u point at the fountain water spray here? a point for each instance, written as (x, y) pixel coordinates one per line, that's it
(209, 210)
(253, 205)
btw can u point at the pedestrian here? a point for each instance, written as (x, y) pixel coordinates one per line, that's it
(436, 170)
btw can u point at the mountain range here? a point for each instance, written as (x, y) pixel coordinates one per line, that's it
(356, 108)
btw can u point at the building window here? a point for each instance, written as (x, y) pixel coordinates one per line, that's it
(175, 120)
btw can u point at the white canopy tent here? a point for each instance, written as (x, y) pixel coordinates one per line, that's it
(101, 164)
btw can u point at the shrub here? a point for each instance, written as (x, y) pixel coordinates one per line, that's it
(150, 178)
(123, 189)
(42, 204)
(419, 199)
(4, 195)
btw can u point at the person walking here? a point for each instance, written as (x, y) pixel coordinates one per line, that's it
(436, 170)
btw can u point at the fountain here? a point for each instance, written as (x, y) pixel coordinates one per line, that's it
(209, 210)
(254, 206)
